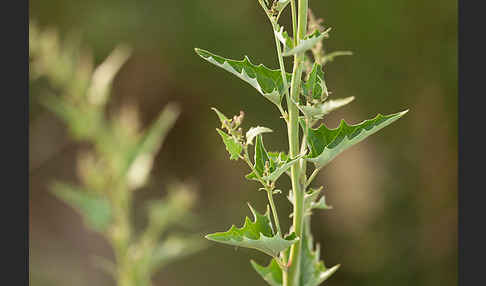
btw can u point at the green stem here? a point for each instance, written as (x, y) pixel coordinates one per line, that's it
(293, 274)
(294, 19)
(282, 70)
(312, 176)
(274, 211)
(268, 189)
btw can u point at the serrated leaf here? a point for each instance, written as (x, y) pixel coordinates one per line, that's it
(310, 201)
(281, 168)
(312, 270)
(325, 144)
(321, 204)
(233, 147)
(257, 234)
(254, 131)
(315, 87)
(95, 210)
(317, 111)
(268, 82)
(307, 43)
(271, 273)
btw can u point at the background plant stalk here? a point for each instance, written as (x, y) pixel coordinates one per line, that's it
(291, 277)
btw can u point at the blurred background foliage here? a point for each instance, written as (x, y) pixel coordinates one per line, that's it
(394, 220)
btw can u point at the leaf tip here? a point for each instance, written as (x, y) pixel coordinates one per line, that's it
(404, 112)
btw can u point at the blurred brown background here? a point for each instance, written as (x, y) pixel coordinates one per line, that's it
(394, 220)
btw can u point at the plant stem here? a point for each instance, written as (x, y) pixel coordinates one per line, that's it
(274, 211)
(293, 273)
(282, 69)
(312, 176)
(268, 189)
(294, 21)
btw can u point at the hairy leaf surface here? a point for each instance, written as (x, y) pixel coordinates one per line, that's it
(325, 144)
(257, 234)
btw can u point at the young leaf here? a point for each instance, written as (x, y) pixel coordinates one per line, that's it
(307, 43)
(268, 82)
(310, 201)
(271, 273)
(279, 5)
(315, 87)
(284, 38)
(325, 144)
(280, 168)
(255, 131)
(261, 156)
(257, 234)
(96, 211)
(232, 145)
(224, 120)
(317, 111)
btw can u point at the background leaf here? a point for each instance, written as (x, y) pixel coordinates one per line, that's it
(94, 209)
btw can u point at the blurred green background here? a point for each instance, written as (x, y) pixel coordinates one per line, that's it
(394, 220)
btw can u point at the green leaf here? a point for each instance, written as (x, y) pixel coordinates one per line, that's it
(95, 210)
(254, 131)
(224, 120)
(311, 201)
(284, 38)
(317, 111)
(268, 82)
(313, 271)
(261, 156)
(257, 234)
(315, 87)
(307, 43)
(321, 204)
(270, 273)
(325, 144)
(233, 146)
(280, 168)
(279, 5)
